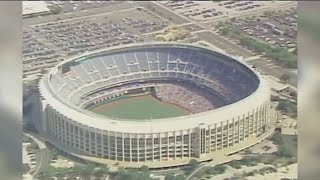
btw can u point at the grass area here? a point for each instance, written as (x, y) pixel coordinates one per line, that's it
(140, 107)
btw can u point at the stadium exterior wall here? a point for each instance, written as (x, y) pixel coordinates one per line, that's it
(172, 140)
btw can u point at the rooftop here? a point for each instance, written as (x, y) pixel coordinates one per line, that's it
(33, 7)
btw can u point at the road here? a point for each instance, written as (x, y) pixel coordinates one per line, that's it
(42, 156)
(42, 161)
(224, 44)
(163, 12)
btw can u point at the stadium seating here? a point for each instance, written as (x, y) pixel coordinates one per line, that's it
(229, 80)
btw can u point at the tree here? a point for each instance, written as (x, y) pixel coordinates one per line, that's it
(169, 176)
(144, 169)
(247, 151)
(87, 171)
(132, 175)
(43, 176)
(288, 107)
(220, 23)
(218, 169)
(193, 164)
(235, 164)
(180, 177)
(277, 138)
(100, 171)
(225, 31)
(285, 151)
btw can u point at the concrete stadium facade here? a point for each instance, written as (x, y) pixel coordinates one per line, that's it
(157, 143)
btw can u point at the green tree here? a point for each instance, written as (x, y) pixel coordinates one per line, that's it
(285, 151)
(220, 169)
(220, 23)
(169, 176)
(180, 177)
(277, 138)
(132, 175)
(193, 164)
(43, 176)
(100, 171)
(87, 171)
(247, 151)
(145, 170)
(225, 31)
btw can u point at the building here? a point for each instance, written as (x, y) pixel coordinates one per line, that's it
(34, 8)
(243, 119)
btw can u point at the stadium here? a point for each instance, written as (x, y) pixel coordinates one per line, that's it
(155, 104)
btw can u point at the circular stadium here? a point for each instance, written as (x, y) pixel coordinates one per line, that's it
(155, 104)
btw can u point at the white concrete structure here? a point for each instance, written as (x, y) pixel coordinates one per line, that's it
(34, 7)
(156, 142)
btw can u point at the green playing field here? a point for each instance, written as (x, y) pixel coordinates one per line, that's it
(141, 107)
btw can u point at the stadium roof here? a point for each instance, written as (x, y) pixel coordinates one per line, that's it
(34, 7)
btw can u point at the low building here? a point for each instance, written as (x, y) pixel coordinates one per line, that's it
(34, 8)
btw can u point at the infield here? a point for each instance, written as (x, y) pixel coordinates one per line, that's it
(139, 107)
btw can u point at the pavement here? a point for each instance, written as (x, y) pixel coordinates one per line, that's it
(40, 144)
(42, 156)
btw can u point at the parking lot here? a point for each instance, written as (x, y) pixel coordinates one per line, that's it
(47, 44)
(36, 54)
(210, 10)
(73, 6)
(279, 30)
(141, 21)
